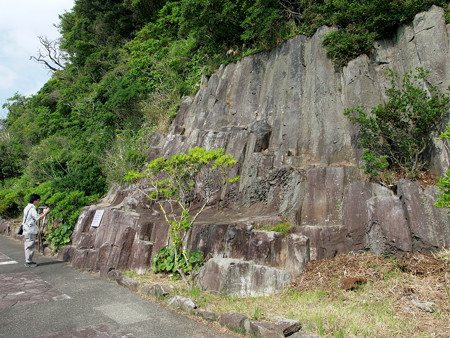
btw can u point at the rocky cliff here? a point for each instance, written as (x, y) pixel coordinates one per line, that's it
(280, 114)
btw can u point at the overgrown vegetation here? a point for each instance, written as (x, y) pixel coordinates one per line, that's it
(396, 134)
(382, 307)
(444, 182)
(170, 260)
(179, 184)
(126, 64)
(282, 227)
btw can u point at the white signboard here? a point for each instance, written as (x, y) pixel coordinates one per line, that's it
(97, 218)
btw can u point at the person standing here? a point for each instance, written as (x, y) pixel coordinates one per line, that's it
(30, 229)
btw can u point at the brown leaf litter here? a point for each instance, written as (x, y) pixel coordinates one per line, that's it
(407, 280)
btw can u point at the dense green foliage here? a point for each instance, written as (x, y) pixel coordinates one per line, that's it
(176, 183)
(395, 135)
(164, 261)
(66, 208)
(444, 182)
(128, 63)
(360, 23)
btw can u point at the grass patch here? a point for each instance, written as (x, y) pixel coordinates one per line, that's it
(282, 227)
(379, 308)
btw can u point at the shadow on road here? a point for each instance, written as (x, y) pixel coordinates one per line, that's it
(50, 263)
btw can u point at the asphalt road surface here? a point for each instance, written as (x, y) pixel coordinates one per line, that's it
(55, 300)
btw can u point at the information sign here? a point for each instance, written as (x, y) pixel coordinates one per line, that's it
(97, 218)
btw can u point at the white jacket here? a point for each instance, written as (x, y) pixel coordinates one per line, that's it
(30, 217)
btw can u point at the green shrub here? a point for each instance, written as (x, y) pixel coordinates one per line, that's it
(345, 45)
(8, 203)
(59, 236)
(399, 131)
(65, 209)
(14, 196)
(188, 262)
(374, 164)
(359, 23)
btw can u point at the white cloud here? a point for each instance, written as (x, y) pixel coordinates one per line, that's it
(21, 23)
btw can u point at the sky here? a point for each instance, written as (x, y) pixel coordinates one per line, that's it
(21, 23)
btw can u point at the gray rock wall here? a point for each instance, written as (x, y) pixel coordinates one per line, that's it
(280, 114)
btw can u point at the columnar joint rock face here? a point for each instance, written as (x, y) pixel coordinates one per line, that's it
(289, 252)
(280, 114)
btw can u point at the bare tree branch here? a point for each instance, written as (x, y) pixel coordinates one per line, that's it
(51, 56)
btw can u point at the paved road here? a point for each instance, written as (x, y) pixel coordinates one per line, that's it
(54, 300)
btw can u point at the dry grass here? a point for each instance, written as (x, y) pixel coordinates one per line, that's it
(157, 106)
(382, 307)
(392, 284)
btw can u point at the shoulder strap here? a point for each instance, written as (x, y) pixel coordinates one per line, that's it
(25, 218)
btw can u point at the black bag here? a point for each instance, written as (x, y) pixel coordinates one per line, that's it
(20, 231)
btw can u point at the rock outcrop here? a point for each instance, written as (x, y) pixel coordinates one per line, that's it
(280, 114)
(240, 278)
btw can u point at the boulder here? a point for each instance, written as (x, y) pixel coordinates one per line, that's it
(182, 303)
(424, 306)
(5, 227)
(288, 326)
(113, 274)
(324, 191)
(128, 282)
(355, 214)
(105, 270)
(235, 322)
(208, 315)
(265, 329)
(65, 254)
(158, 291)
(240, 278)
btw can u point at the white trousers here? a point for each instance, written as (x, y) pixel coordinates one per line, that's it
(30, 245)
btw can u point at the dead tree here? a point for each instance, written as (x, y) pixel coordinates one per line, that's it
(51, 56)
